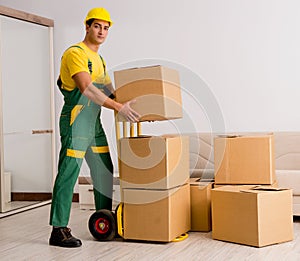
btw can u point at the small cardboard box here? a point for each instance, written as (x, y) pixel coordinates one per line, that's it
(200, 205)
(156, 215)
(154, 162)
(254, 215)
(156, 90)
(244, 159)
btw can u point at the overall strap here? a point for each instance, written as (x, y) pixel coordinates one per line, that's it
(104, 67)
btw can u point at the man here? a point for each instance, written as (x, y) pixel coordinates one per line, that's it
(85, 86)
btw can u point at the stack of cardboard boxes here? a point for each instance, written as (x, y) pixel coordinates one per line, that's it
(154, 170)
(161, 202)
(247, 206)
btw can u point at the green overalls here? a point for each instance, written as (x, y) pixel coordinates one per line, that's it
(82, 136)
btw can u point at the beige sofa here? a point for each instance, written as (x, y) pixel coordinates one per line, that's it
(287, 160)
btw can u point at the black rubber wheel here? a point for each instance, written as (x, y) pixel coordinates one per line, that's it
(102, 225)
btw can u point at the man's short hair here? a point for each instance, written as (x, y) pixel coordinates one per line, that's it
(89, 22)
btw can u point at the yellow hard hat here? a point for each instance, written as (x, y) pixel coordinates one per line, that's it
(99, 13)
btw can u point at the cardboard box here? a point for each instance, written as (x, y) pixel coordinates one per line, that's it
(156, 90)
(154, 162)
(254, 215)
(244, 159)
(156, 215)
(200, 205)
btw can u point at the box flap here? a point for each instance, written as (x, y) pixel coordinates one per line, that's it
(228, 136)
(269, 188)
(244, 134)
(140, 137)
(139, 67)
(258, 189)
(200, 182)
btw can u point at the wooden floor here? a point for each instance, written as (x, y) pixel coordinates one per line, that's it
(24, 236)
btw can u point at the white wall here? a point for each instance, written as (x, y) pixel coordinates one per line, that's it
(238, 59)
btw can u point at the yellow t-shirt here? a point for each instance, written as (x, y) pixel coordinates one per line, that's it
(75, 60)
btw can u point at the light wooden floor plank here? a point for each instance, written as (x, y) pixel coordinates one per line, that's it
(25, 236)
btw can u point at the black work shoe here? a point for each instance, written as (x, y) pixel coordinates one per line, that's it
(62, 237)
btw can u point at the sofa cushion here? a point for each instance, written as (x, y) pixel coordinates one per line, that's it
(289, 179)
(287, 150)
(201, 151)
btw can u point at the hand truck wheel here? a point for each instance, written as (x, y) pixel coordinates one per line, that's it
(102, 225)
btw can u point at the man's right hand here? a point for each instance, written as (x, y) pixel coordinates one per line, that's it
(128, 113)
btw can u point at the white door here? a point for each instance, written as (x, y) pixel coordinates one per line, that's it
(26, 105)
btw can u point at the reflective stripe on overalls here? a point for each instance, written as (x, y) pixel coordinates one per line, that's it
(82, 136)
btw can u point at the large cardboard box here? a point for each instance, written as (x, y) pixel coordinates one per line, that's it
(244, 159)
(156, 90)
(200, 205)
(156, 215)
(154, 162)
(254, 215)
